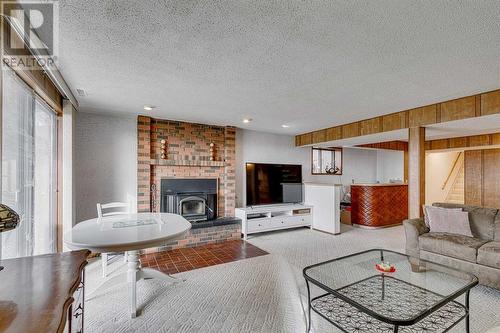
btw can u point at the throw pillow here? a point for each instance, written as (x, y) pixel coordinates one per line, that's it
(426, 215)
(451, 221)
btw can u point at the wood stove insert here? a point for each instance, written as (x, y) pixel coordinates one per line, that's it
(195, 199)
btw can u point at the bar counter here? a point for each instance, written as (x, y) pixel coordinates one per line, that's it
(379, 205)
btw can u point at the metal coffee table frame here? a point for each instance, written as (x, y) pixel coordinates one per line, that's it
(397, 324)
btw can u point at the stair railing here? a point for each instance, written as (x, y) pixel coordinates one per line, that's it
(451, 171)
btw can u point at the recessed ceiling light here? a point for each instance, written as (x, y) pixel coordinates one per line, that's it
(148, 108)
(247, 120)
(285, 126)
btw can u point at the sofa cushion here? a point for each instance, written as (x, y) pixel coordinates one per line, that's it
(456, 246)
(497, 227)
(489, 255)
(482, 220)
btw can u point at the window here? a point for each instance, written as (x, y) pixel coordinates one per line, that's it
(28, 169)
(326, 161)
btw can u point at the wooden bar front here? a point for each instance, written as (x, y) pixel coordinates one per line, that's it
(379, 205)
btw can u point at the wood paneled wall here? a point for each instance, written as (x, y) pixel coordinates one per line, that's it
(389, 145)
(416, 171)
(472, 141)
(482, 177)
(464, 142)
(467, 107)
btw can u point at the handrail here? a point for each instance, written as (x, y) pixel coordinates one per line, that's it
(451, 171)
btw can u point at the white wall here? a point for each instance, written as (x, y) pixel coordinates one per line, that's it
(437, 168)
(259, 147)
(105, 161)
(390, 165)
(359, 165)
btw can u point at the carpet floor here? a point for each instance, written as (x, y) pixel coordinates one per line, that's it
(262, 294)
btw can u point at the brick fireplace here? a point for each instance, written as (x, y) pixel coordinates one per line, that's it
(187, 155)
(178, 150)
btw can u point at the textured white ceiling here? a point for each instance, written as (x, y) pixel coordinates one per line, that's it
(306, 64)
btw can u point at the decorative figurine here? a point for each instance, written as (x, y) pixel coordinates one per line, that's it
(385, 267)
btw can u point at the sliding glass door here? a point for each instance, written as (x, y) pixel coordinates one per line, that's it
(17, 163)
(28, 169)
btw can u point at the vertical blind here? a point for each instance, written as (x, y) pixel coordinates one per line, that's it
(28, 169)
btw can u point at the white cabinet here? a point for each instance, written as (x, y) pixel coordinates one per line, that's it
(258, 225)
(326, 201)
(276, 217)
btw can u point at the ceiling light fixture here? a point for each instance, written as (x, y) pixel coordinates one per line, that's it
(247, 120)
(148, 108)
(285, 126)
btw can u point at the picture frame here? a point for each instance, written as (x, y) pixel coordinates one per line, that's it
(326, 161)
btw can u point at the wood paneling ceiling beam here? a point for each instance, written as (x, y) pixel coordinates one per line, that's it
(483, 104)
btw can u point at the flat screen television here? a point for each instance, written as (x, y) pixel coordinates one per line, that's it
(273, 183)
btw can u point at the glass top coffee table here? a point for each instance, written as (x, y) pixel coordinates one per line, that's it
(419, 296)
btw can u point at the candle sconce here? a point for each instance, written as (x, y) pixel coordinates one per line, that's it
(163, 147)
(212, 151)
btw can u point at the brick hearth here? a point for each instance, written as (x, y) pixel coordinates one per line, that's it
(202, 236)
(186, 259)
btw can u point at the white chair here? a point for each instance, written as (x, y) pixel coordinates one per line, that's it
(110, 209)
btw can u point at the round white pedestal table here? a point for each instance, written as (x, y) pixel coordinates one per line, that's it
(129, 233)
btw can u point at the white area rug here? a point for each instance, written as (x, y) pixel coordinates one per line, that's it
(262, 294)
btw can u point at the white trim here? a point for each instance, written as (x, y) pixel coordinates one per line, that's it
(67, 186)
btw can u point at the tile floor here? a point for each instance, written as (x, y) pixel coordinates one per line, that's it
(181, 260)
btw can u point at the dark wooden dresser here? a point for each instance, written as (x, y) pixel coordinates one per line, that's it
(43, 293)
(378, 205)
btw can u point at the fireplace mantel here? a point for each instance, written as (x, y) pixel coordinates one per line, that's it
(200, 163)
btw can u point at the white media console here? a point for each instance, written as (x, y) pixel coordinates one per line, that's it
(273, 217)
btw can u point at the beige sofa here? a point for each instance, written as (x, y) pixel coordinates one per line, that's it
(479, 255)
